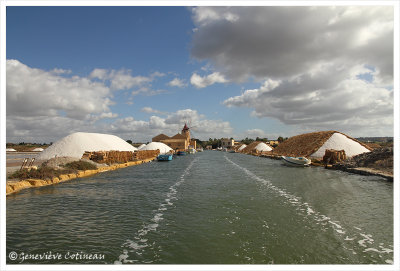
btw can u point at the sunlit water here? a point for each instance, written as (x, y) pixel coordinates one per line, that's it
(211, 207)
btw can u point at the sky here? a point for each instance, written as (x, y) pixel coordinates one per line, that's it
(136, 72)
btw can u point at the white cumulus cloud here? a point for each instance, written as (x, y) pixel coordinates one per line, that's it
(176, 82)
(35, 92)
(202, 82)
(150, 110)
(121, 79)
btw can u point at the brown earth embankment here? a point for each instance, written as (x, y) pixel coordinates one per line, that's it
(15, 186)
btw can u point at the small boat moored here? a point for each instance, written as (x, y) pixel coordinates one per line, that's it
(296, 161)
(180, 153)
(164, 157)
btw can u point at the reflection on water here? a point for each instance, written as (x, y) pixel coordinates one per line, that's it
(211, 207)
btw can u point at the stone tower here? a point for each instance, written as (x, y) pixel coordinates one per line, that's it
(186, 133)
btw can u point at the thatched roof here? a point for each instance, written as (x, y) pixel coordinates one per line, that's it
(159, 137)
(307, 144)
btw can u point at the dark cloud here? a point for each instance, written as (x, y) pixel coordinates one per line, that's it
(310, 62)
(277, 42)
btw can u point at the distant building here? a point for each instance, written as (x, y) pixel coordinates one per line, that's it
(227, 143)
(180, 141)
(273, 142)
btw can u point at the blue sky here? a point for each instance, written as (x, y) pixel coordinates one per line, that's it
(237, 71)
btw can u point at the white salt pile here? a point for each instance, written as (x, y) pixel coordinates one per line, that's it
(242, 147)
(157, 146)
(141, 146)
(10, 149)
(38, 149)
(74, 145)
(263, 147)
(340, 142)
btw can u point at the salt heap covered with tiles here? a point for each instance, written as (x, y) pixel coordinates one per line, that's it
(341, 142)
(314, 145)
(157, 146)
(75, 145)
(256, 146)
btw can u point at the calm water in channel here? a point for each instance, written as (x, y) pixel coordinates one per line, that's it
(211, 207)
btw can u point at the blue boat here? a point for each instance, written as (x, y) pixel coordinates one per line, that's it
(180, 153)
(164, 157)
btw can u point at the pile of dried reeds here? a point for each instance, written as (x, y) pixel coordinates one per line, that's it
(142, 155)
(109, 157)
(333, 156)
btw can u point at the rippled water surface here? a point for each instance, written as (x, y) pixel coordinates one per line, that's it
(211, 207)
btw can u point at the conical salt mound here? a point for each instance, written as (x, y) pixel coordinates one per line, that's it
(341, 142)
(263, 147)
(242, 147)
(315, 144)
(75, 145)
(157, 146)
(141, 146)
(256, 145)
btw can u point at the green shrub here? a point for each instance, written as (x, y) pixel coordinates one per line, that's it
(43, 173)
(80, 165)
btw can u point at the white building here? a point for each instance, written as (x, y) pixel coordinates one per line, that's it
(227, 143)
